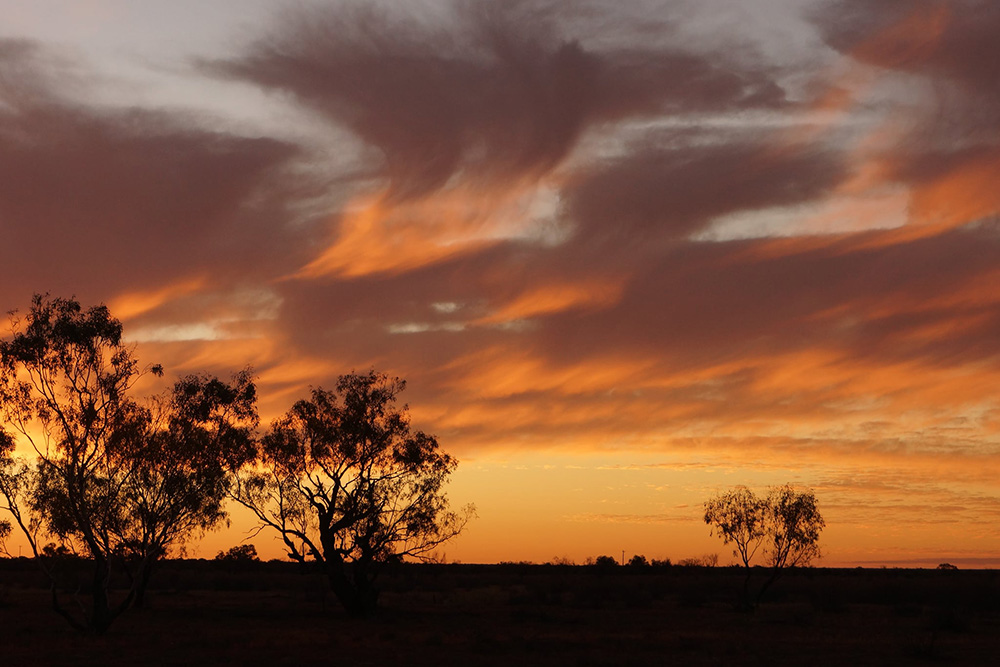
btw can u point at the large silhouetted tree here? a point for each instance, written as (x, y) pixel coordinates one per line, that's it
(203, 429)
(346, 483)
(783, 528)
(65, 378)
(112, 479)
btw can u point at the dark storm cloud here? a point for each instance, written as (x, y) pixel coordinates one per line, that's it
(94, 201)
(505, 91)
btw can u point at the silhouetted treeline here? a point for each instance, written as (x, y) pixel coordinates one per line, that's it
(118, 483)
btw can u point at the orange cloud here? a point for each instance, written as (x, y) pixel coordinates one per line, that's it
(911, 40)
(964, 194)
(377, 238)
(550, 299)
(380, 235)
(131, 305)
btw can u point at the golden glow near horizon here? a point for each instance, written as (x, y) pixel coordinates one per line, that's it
(621, 265)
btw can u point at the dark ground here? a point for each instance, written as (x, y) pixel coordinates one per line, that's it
(203, 612)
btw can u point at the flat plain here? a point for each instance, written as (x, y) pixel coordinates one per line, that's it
(206, 612)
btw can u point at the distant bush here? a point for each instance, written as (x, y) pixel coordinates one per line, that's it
(706, 560)
(947, 566)
(243, 553)
(605, 561)
(50, 550)
(638, 560)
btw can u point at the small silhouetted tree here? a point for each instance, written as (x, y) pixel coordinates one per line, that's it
(57, 551)
(241, 553)
(783, 527)
(605, 562)
(638, 560)
(345, 482)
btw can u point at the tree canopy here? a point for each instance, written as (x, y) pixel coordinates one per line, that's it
(782, 527)
(345, 482)
(112, 478)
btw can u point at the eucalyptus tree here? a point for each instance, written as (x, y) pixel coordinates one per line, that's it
(180, 471)
(782, 527)
(111, 478)
(65, 380)
(345, 482)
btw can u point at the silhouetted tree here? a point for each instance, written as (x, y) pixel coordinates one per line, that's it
(346, 483)
(638, 560)
(706, 560)
(783, 527)
(53, 550)
(200, 432)
(114, 480)
(605, 562)
(65, 377)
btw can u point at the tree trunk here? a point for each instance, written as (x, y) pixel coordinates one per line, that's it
(342, 587)
(745, 603)
(355, 593)
(365, 587)
(100, 617)
(775, 573)
(141, 582)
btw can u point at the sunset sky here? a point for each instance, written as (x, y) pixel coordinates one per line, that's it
(626, 253)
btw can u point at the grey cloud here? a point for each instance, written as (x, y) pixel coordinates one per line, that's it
(704, 303)
(952, 44)
(94, 201)
(689, 305)
(502, 93)
(670, 192)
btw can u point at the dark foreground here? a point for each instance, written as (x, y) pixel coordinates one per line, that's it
(204, 612)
